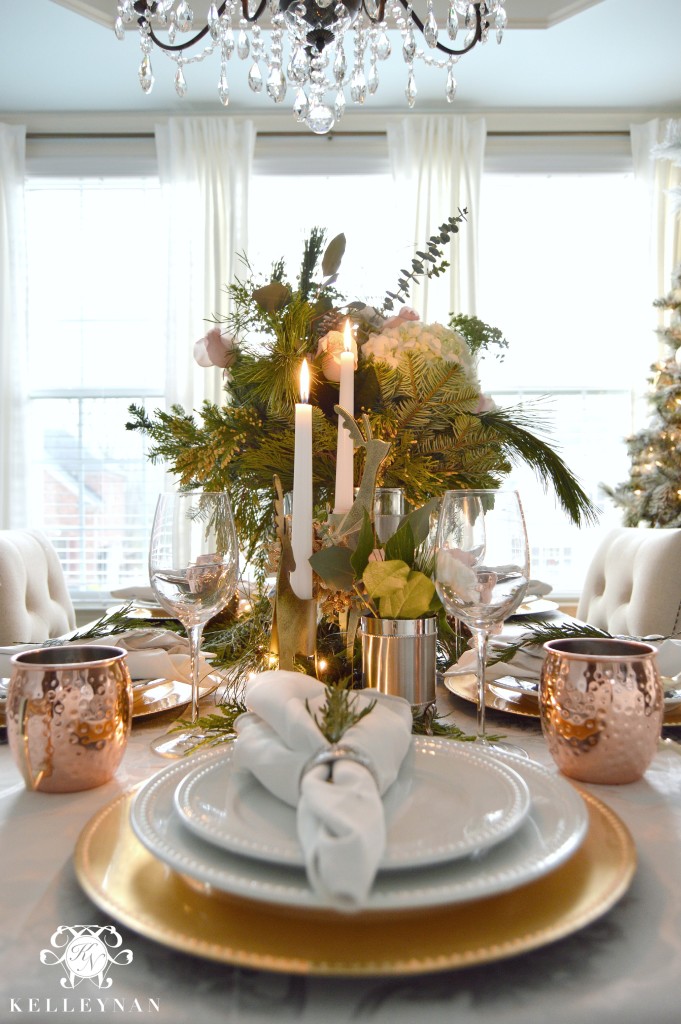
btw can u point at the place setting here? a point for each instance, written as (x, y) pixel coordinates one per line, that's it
(383, 826)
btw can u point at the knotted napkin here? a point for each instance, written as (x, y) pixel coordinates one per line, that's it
(340, 817)
(526, 664)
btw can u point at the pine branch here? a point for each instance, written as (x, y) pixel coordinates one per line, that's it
(511, 426)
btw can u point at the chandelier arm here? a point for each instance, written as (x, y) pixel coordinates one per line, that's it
(439, 46)
(178, 47)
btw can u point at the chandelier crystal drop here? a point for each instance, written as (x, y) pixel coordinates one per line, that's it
(307, 51)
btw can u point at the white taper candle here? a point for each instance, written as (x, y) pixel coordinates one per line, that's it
(345, 449)
(301, 515)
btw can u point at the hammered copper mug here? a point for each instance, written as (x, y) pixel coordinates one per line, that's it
(601, 705)
(69, 713)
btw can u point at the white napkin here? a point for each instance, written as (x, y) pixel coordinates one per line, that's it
(537, 588)
(341, 825)
(152, 654)
(668, 658)
(526, 664)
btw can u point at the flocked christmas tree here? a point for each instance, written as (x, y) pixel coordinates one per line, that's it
(652, 495)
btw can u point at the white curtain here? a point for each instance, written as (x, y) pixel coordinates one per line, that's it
(13, 334)
(657, 178)
(205, 168)
(437, 164)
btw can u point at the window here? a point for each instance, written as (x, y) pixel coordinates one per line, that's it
(560, 275)
(562, 266)
(96, 309)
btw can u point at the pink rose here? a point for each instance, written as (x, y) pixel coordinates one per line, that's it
(406, 313)
(215, 349)
(330, 348)
(485, 404)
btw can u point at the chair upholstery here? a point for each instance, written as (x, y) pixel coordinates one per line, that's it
(34, 600)
(633, 585)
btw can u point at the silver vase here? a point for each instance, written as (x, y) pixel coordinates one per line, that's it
(399, 657)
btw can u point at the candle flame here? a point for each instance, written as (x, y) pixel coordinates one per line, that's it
(304, 382)
(347, 336)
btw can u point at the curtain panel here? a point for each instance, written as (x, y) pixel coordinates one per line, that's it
(205, 166)
(13, 333)
(658, 178)
(437, 163)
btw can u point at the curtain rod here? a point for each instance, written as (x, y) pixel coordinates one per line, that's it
(329, 138)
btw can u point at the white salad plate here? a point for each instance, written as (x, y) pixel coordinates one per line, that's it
(553, 829)
(439, 808)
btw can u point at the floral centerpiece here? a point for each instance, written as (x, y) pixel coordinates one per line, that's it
(416, 388)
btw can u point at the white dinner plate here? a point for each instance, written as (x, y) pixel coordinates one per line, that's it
(439, 808)
(554, 828)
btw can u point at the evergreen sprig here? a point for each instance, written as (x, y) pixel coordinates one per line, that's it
(338, 713)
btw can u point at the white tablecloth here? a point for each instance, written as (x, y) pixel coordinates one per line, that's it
(625, 968)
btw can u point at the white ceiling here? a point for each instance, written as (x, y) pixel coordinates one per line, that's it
(590, 55)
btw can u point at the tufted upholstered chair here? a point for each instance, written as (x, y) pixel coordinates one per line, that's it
(34, 601)
(633, 585)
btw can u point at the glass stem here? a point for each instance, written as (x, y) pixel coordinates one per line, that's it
(195, 633)
(481, 648)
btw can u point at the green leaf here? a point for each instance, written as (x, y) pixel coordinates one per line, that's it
(272, 297)
(333, 256)
(419, 520)
(382, 578)
(401, 545)
(409, 602)
(333, 565)
(366, 543)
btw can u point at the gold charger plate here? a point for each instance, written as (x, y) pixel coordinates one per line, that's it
(499, 698)
(165, 694)
(126, 881)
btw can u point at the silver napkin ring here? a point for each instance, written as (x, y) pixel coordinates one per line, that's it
(327, 756)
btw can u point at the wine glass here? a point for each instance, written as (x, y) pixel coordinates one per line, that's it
(481, 567)
(193, 568)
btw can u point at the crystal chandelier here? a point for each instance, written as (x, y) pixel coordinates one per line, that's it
(316, 65)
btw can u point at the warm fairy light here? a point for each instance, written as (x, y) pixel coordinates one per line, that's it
(273, 660)
(304, 382)
(347, 336)
(322, 664)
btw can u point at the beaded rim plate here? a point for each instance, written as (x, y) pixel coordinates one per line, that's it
(125, 880)
(552, 831)
(428, 819)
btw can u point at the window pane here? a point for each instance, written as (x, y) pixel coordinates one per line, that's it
(562, 273)
(96, 343)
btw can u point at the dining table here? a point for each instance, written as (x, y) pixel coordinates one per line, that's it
(622, 967)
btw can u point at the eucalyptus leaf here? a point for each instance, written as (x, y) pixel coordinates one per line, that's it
(409, 602)
(333, 565)
(272, 297)
(382, 578)
(333, 256)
